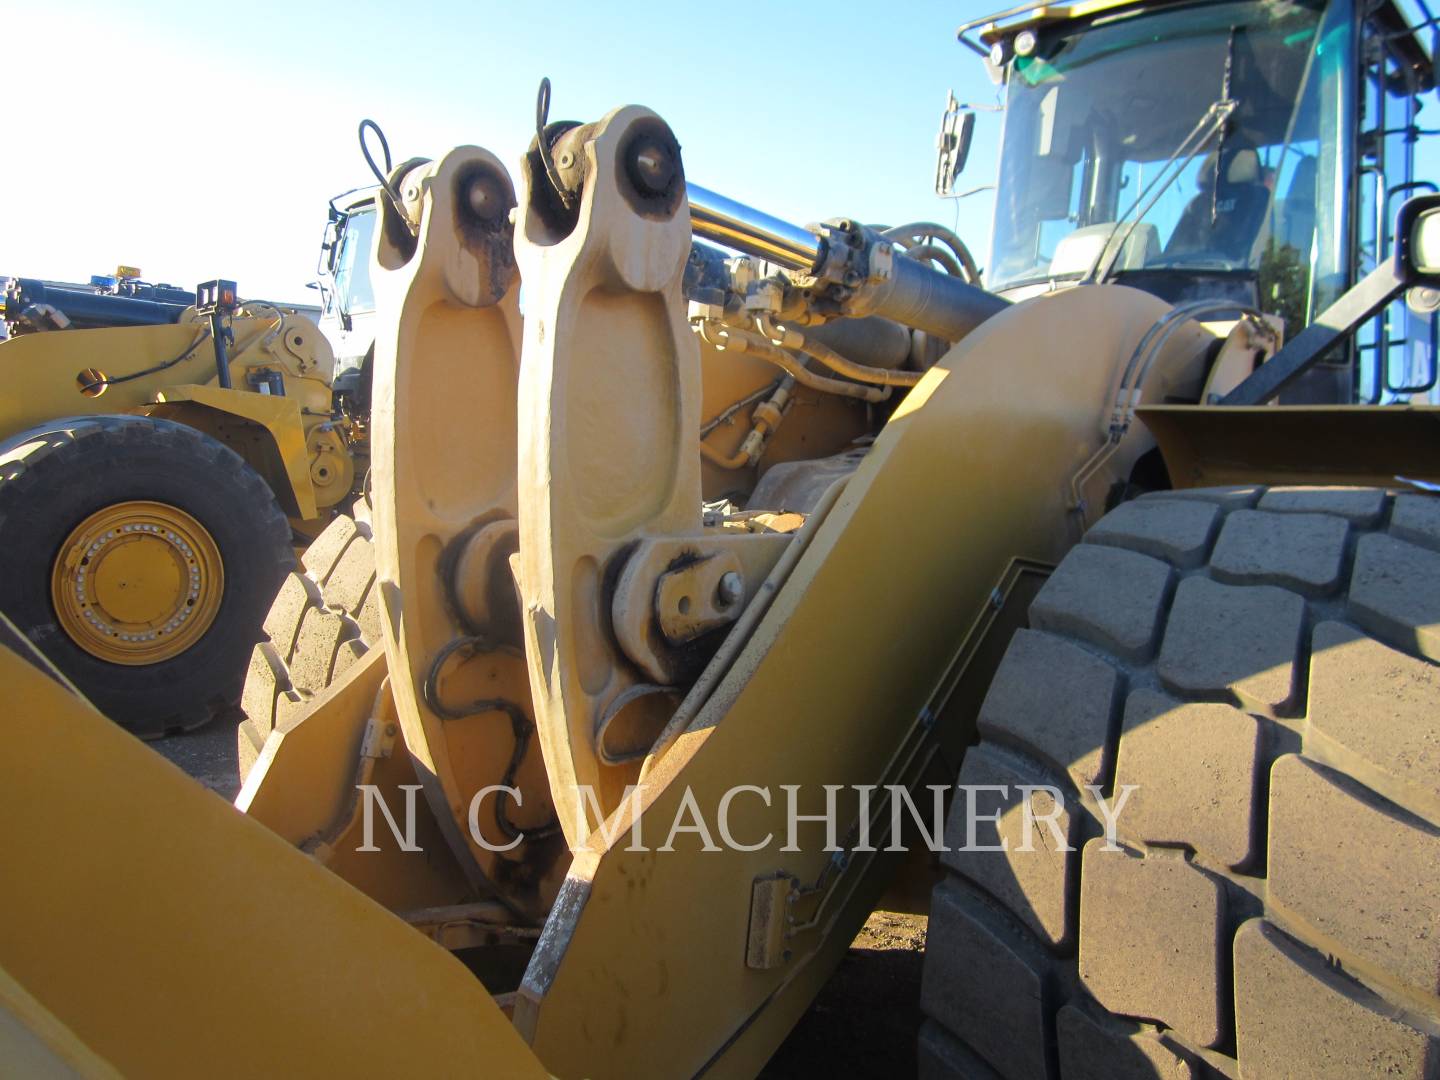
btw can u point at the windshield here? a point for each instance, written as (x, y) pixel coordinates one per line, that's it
(353, 291)
(1094, 115)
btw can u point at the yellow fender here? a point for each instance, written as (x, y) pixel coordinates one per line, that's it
(973, 471)
(152, 930)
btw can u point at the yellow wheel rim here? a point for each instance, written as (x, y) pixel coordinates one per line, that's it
(137, 583)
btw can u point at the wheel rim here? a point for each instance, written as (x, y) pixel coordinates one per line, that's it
(137, 583)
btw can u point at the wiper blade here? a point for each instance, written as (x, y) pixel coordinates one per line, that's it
(1214, 121)
(1224, 129)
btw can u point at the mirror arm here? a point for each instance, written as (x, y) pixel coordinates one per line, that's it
(1304, 351)
(1379, 288)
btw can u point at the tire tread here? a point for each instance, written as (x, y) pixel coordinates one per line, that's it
(324, 618)
(1400, 997)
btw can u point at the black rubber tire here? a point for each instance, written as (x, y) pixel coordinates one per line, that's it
(53, 477)
(1263, 665)
(324, 618)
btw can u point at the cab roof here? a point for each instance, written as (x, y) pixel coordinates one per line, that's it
(980, 34)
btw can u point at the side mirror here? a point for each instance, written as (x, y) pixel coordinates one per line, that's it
(329, 246)
(957, 128)
(1417, 233)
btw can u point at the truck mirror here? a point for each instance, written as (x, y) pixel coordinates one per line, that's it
(1425, 243)
(957, 128)
(1418, 238)
(329, 245)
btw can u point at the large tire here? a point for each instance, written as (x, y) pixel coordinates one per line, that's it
(56, 478)
(1262, 665)
(323, 619)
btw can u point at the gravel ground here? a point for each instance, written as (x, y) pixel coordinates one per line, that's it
(863, 1024)
(209, 755)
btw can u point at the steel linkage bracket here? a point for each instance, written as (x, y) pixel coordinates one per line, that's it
(443, 483)
(616, 564)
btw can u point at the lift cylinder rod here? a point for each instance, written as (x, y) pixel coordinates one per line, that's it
(753, 232)
(914, 294)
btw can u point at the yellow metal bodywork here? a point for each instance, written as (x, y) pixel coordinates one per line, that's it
(606, 336)
(281, 436)
(1379, 445)
(151, 930)
(35, 1044)
(444, 487)
(830, 423)
(828, 689)
(211, 408)
(305, 787)
(1048, 14)
(860, 653)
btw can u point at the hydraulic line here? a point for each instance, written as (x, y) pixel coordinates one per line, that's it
(729, 337)
(787, 337)
(730, 410)
(936, 254)
(100, 384)
(928, 231)
(913, 293)
(520, 726)
(764, 421)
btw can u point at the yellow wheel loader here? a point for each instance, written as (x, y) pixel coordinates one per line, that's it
(761, 574)
(153, 449)
(347, 317)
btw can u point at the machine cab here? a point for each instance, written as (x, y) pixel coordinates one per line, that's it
(347, 318)
(1254, 150)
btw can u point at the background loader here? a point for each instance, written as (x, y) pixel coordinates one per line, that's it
(159, 462)
(822, 527)
(347, 316)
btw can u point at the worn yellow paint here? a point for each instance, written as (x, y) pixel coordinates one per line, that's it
(874, 611)
(304, 787)
(302, 780)
(838, 652)
(447, 354)
(45, 381)
(1049, 14)
(150, 923)
(36, 1045)
(613, 367)
(1205, 446)
(279, 417)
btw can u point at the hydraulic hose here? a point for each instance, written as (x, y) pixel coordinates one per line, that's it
(765, 419)
(807, 344)
(923, 233)
(729, 337)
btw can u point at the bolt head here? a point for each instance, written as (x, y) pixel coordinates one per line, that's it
(653, 166)
(486, 197)
(730, 589)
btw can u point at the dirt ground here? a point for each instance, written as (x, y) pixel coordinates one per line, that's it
(863, 1024)
(865, 1021)
(209, 755)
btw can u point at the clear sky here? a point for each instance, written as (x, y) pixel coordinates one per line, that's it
(203, 140)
